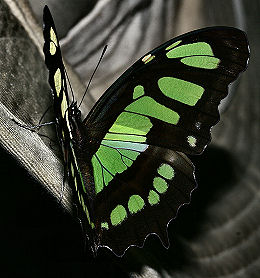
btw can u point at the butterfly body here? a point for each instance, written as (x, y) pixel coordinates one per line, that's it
(126, 161)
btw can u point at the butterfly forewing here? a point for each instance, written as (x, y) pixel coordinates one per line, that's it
(178, 86)
(67, 121)
(126, 161)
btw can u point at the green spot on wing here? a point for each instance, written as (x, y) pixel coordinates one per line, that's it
(160, 184)
(129, 153)
(199, 55)
(172, 45)
(149, 107)
(127, 161)
(204, 62)
(107, 177)
(125, 137)
(113, 157)
(57, 81)
(148, 58)
(153, 198)
(187, 50)
(104, 225)
(135, 203)
(131, 124)
(192, 141)
(120, 147)
(180, 90)
(52, 48)
(110, 159)
(53, 36)
(138, 91)
(118, 215)
(166, 171)
(97, 171)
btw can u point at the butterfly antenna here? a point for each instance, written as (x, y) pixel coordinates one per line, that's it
(101, 57)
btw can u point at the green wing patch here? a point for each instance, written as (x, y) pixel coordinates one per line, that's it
(198, 55)
(120, 147)
(180, 90)
(113, 157)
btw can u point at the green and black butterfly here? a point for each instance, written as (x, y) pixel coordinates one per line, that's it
(126, 162)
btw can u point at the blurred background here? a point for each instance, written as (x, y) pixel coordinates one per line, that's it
(217, 235)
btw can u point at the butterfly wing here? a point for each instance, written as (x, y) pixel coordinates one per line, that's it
(54, 63)
(161, 107)
(142, 199)
(178, 86)
(67, 120)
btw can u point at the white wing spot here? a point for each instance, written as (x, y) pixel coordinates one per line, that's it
(53, 37)
(57, 81)
(52, 48)
(198, 125)
(192, 141)
(148, 58)
(64, 105)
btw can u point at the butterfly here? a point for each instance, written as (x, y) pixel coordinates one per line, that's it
(126, 162)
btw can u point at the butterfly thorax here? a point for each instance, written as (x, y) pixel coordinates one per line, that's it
(81, 146)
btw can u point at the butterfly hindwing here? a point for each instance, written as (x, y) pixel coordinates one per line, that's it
(144, 198)
(126, 161)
